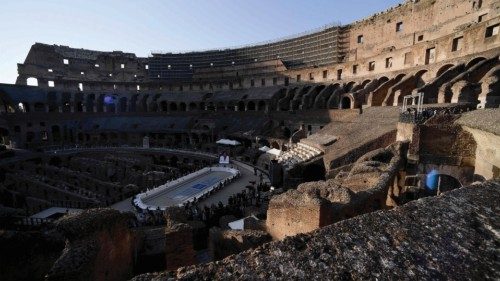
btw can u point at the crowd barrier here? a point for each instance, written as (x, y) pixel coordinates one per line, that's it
(139, 203)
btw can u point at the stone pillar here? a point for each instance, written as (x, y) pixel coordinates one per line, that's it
(396, 97)
(179, 250)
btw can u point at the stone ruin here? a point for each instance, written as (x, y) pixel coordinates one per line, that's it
(99, 127)
(364, 188)
(99, 246)
(452, 235)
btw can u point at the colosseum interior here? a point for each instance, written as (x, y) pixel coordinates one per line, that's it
(362, 151)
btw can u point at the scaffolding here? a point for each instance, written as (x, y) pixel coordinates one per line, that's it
(415, 99)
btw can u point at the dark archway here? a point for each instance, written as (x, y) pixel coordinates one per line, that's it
(345, 103)
(314, 172)
(123, 104)
(443, 69)
(261, 106)
(275, 145)
(241, 106)
(474, 62)
(164, 106)
(251, 105)
(192, 106)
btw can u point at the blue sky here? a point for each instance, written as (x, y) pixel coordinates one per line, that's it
(141, 26)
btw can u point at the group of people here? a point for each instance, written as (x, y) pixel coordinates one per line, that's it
(412, 115)
(155, 217)
(236, 204)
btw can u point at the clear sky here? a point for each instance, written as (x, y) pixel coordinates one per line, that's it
(141, 26)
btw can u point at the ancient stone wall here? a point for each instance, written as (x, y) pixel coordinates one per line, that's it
(179, 238)
(223, 243)
(484, 127)
(179, 246)
(317, 204)
(441, 145)
(394, 40)
(99, 246)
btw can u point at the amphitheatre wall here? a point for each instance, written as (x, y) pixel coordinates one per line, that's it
(398, 39)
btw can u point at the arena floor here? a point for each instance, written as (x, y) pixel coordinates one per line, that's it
(177, 194)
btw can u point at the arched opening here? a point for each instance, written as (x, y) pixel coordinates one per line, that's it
(221, 106)
(153, 106)
(66, 107)
(345, 103)
(348, 87)
(421, 81)
(251, 105)
(261, 106)
(99, 103)
(164, 106)
(133, 103)
(172, 106)
(241, 106)
(32, 81)
(123, 104)
(90, 103)
(110, 103)
(443, 69)
(474, 62)
(192, 106)
(79, 106)
(437, 183)
(4, 106)
(143, 105)
(182, 106)
(4, 134)
(365, 83)
(382, 79)
(24, 107)
(275, 145)
(210, 106)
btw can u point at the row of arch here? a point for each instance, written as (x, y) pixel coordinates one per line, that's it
(115, 103)
(381, 91)
(442, 85)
